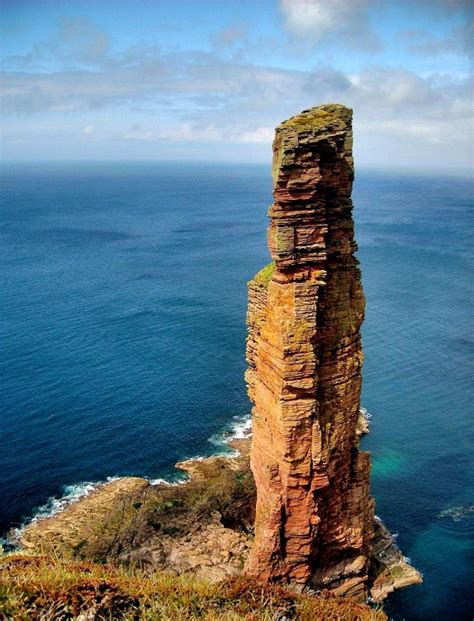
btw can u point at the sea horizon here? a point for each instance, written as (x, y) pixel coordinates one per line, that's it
(408, 170)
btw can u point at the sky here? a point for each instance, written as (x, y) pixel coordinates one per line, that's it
(208, 80)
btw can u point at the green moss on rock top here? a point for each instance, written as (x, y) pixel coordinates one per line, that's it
(264, 276)
(315, 124)
(320, 117)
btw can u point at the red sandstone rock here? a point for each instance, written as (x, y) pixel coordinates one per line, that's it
(314, 510)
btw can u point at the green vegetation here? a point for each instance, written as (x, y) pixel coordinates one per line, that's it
(38, 587)
(264, 276)
(321, 121)
(397, 571)
(320, 118)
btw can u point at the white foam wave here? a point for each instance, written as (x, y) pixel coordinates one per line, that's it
(365, 413)
(71, 493)
(54, 505)
(240, 428)
(160, 481)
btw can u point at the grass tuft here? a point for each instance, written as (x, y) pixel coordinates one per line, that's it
(40, 587)
(264, 276)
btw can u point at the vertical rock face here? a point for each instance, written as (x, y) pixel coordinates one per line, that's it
(314, 511)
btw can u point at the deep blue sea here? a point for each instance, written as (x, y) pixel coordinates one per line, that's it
(123, 333)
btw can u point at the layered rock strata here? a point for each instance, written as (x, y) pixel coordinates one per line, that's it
(315, 515)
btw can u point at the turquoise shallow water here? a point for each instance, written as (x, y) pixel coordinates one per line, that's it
(123, 334)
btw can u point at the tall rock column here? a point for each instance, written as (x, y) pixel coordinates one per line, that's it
(314, 511)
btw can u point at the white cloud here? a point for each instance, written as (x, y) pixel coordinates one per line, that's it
(228, 37)
(141, 136)
(310, 17)
(236, 103)
(182, 132)
(75, 40)
(260, 135)
(205, 98)
(430, 132)
(320, 19)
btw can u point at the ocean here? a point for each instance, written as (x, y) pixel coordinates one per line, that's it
(123, 335)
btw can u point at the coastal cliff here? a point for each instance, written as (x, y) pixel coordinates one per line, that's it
(314, 516)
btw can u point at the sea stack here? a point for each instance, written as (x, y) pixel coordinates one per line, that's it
(315, 515)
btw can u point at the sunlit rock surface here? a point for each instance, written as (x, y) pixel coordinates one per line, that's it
(315, 515)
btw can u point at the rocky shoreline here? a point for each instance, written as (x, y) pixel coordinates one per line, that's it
(202, 527)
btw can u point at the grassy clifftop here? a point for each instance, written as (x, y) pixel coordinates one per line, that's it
(38, 587)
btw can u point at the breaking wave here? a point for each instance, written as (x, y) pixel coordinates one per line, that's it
(240, 428)
(54, 505)
(365, 413)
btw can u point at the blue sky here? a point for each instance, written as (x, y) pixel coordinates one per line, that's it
(209, 80)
